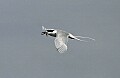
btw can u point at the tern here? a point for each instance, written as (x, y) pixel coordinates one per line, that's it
(61, 38)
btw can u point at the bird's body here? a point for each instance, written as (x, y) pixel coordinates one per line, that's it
(61, 38)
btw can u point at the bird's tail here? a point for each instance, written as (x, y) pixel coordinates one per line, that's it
(85, 37)
(78, 38)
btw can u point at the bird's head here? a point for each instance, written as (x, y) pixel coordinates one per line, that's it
(51, 32)
(44, 31)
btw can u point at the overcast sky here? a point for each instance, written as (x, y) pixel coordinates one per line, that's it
(24, 53)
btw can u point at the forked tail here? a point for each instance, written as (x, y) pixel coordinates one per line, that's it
(85, 37)
(78, 38)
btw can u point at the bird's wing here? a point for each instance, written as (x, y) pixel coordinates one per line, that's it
(43, 28)
(61, 42)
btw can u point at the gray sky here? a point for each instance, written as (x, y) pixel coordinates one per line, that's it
(24, 53)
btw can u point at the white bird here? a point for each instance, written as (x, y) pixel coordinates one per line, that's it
(61, 38)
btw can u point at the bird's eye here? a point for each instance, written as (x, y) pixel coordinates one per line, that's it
(50, 30)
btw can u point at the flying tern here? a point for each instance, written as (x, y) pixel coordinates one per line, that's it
(61, 38)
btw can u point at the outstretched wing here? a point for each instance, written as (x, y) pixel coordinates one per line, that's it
(43, 28)
(61, 42)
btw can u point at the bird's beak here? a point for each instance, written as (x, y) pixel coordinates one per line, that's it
(44, 33)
